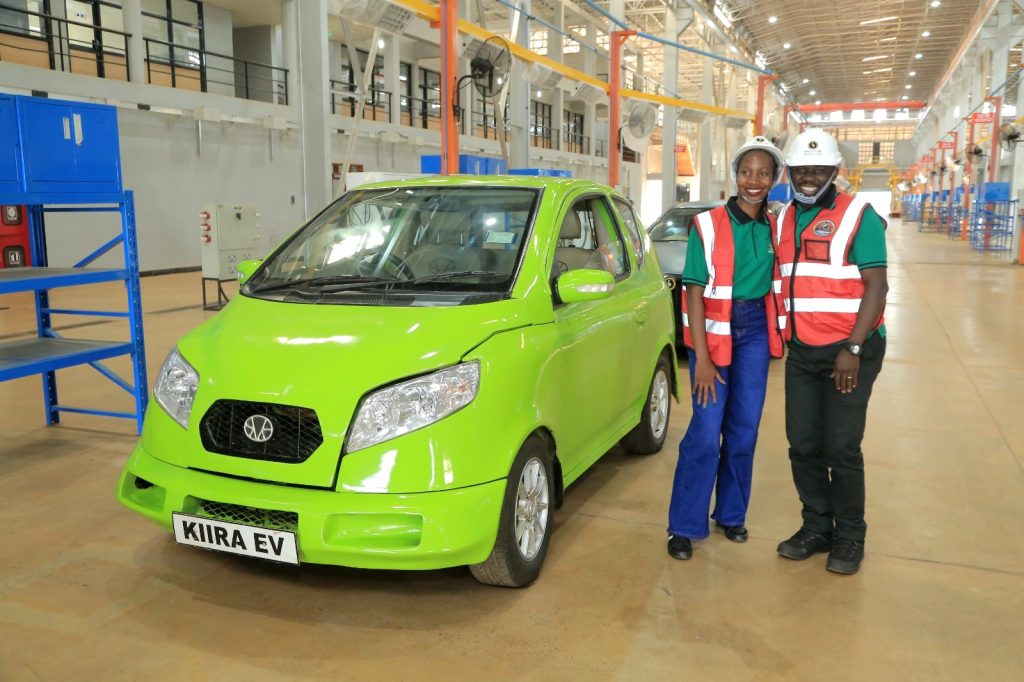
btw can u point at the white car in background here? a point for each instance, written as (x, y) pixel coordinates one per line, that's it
(670, 234)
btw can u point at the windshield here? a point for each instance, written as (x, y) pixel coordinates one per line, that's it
(674, 225)
(452, 241)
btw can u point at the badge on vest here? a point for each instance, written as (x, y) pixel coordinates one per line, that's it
(824, 228)
(816, 250)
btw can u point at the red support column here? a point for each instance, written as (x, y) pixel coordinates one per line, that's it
(952, 177)
(968, 174)
(762, 83)
(449, 78)
(993, 162)
(614, 77)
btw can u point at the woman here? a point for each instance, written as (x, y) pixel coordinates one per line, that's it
(730, 325)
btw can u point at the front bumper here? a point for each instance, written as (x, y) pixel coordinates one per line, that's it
(361, 530)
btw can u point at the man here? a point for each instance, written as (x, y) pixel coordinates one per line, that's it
(832, 257)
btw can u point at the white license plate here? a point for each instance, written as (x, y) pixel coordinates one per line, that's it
(236, 538)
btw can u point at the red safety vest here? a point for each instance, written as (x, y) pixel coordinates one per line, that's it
(821, 289)
(715, 228)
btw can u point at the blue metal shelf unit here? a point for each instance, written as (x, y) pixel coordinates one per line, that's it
(63, 157)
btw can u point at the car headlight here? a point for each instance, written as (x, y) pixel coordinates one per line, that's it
(176, 387)
(413, 404)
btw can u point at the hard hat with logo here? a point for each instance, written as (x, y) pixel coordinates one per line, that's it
(759, 143)
(814, 147)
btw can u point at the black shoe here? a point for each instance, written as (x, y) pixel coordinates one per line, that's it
(845, 556)
(679, 548)
(805, 544)
(734, 533)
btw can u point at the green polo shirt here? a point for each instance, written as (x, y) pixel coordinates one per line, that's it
(868, 248)
(754, 255)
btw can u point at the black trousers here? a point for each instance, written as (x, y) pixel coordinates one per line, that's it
(825, 429)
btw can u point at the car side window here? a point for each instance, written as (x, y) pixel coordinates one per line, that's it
(633, 229)
(588, 238)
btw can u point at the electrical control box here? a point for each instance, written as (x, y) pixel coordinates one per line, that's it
(228, 234)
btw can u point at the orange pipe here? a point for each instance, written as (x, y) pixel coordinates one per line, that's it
(449, 77)
(614, 122)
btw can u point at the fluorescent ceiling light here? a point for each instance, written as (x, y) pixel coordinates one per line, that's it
(806, 81)
(876, 57)
(925, 34)
(818, 101)
(772, 19)
(380, 43)
(885, 40)
(905, 97)
(907, 86)
(786, 46)
(936, 3)
(812, 93)
(877, 21)
(918, 55)
(722, 16)
(913, 73)
(881, 70)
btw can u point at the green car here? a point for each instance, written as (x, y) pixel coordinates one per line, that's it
(413, 378)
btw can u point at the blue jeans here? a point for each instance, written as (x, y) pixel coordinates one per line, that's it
(720, 440)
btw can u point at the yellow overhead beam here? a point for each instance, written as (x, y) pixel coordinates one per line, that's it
(431, 13)
(686, 104)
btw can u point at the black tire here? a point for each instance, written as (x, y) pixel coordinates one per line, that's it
(509, 565)
(649, 435)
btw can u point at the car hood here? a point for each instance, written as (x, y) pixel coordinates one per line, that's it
(324, 358)
(671, 256)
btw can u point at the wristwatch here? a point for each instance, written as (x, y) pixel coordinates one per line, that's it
(854, 349)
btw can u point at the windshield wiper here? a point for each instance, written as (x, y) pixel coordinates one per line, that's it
(336, 281)
(461, 274)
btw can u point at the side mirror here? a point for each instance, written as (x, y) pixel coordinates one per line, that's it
(585, 285)
(246, 268)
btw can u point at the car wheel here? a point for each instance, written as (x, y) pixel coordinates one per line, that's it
(524, 527)
(649, 435)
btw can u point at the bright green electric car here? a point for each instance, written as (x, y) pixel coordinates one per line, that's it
(412, 380)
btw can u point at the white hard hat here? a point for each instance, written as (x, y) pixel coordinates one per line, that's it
(759, 143)
(814, 147)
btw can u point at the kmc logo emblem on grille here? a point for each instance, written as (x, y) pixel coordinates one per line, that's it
(258, 428)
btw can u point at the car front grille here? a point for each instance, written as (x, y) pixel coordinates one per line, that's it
(276, 433)
(250, 516)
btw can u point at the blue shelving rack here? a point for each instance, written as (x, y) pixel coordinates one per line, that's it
(63, 157)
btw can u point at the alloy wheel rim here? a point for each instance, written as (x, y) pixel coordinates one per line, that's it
(531, 509)
(659, 404)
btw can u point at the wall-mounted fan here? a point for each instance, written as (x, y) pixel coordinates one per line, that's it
(640, 121)
(1010, 134)
(489, 69)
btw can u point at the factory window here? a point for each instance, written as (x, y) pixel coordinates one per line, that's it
(575, 141)
(541, 133)
(539, 41)
(570, 44)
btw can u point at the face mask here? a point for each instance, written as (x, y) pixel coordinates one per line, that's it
(811, 198)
